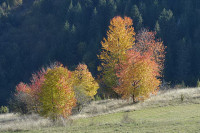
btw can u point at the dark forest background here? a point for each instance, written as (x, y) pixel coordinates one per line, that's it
(34, 33)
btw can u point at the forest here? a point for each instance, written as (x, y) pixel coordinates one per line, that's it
(35, 33)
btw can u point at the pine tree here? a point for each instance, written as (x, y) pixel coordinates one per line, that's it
(137, 17)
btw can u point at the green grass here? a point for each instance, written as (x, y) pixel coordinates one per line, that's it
(175, 119)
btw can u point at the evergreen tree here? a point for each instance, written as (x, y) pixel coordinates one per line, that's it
(183, 61)
(137, 17)
(157, 27)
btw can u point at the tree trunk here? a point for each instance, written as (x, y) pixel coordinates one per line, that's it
(133, 98)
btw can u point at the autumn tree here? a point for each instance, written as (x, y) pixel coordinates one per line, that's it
(57, 96)
(131, 70)
(120, 38)
(138, 76)
(146, 42)
(84, 79)
(84, 85)
(22, 100)
(37, 81)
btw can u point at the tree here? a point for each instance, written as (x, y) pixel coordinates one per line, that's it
(138, 76)
(22, 100)
(146, 42)
(57, 96)
(84, 84)
(137, 17)
(84, 79)
(102, 3)
(78, 8)
(183, 61)
(157, 27)
(29, 93)
(35, 87)
(120, 38)
(67, 26)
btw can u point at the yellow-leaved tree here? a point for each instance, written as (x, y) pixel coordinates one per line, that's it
(84, 84)
(56, 95)
(120, 38)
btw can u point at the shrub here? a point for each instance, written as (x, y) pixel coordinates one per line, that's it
(182, 97)
(21, 103)
(81, 98)
(198, 83)
(4, 109)
(126, 118)
(181, 85)
(97, 98)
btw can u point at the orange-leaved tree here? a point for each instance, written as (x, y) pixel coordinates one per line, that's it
(56, 95)
(120, 38)
(146, 42)
(138, 76)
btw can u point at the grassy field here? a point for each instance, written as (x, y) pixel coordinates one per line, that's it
(183, 119)
(153, 115)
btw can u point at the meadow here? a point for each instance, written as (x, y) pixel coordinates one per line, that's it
(176, 110)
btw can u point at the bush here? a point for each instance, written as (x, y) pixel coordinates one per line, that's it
(81, 98)
(182, 97)
(198, 83)
(21, 103)
(181, 85)
(4, 109)
(126, 118)
(97, 98)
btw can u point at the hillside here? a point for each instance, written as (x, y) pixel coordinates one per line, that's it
(35, 33)
(169, 111)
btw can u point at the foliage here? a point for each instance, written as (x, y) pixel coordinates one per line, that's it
(4, 109)
(198, 83)
(21, 103)
(84, 80)
(84, 85)
(54, 91)
(182, 97)
(30, 92)
(138, 76)
(180, 85)
(57, 96)
(146, 42)
(132, 70)
(120, 38)
(36, 33)
(98, 98)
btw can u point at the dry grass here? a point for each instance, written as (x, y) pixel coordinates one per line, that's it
(163, 98)
(14, 122)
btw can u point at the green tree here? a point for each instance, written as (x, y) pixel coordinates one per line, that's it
(183, 61)
(157, 27)
(67, 26)
(137, 17)
(70, 6)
